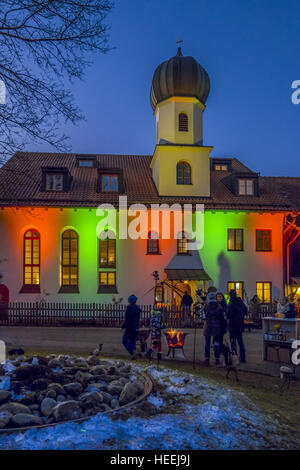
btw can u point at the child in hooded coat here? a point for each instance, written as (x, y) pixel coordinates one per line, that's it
(156, 325)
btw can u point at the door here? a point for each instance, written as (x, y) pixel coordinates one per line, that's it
(4, 299)
(183, 287)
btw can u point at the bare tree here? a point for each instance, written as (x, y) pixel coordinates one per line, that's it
(44, 43)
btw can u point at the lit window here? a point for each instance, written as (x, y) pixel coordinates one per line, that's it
(107, 251)
(221, 167)
(238, 286)
(183, 173)
(153, 243)
(86, 163)
(235, 239)
(108, 278)
(264, 292)
(183, 122)
(263, 240)
(182, 244)
(32, 258)
(69, 258)
(54, 182)
(246, 187)
(159, 294)
(110, 183)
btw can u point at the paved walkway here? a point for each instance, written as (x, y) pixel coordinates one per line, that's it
(83, 340)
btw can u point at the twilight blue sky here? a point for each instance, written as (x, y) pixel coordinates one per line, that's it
(250, 49)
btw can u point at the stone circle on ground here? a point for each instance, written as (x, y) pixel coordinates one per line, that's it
(57, 388)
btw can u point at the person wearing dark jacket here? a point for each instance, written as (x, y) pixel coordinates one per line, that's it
(131, 326)
(236, 312)
(213, 326)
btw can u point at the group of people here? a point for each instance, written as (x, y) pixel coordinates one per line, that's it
(219, 317)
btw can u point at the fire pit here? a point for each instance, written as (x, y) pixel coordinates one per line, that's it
(175, 340)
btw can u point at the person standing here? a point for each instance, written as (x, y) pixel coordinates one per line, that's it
(213, 326)
(236, 312)
(186, 301)
(131, 326)
(222, 302)
(156, 325)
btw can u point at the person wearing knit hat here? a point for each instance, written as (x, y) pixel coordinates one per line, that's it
(213, 326)
(131, 326)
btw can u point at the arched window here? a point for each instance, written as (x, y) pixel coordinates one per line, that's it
(183, 173)
(182, 244)
(183, 122)
(69, 259)
(153, 243)
(32, 260)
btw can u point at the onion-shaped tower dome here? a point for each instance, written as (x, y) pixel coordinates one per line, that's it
(179, 76)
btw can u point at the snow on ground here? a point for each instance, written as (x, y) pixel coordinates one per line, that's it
(188, 412)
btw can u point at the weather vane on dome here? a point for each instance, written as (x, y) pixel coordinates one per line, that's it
(179, 53)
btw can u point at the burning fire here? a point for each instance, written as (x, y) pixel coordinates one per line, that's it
(175, 338)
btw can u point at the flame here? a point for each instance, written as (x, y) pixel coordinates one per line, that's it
(175, 338)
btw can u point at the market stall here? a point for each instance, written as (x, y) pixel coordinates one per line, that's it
(278, 337)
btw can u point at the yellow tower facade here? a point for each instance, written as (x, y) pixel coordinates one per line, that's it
(180, 164)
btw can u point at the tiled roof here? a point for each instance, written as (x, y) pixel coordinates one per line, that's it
(20, 184)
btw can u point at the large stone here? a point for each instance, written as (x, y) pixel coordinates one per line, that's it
(93, 360)
(5, 395)
(98, 370)
(40, 384)
(74, 389)
(66, 411)
(22, 420)
(125, 369)
(115, 388)
(114, 404)
(90, 399)
(83, 377)
(15, 408)
(55, 364)
(130, 392)
(30, 373)
(47, 406)
(5, 418)
(58, 388)
(107, 397)
(28, 398)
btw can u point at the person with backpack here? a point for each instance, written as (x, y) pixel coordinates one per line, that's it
(213, 327)
(236, 312)
(131, 326)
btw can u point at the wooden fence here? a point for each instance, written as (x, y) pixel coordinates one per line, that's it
(91, 314)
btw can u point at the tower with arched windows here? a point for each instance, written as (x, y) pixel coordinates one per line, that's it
(180, 88)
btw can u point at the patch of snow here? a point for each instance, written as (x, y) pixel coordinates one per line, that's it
(216, 418)
(4, 383)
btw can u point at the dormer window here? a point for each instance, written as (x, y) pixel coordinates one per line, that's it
(86, 163)
(245, 187)
(110, 183)
(56, 179)
(220, 167)
(54, 182)
(183, 122)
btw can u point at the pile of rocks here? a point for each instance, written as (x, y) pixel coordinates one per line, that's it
(46, 390)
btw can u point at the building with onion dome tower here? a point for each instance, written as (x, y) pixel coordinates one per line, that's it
(180, 88)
